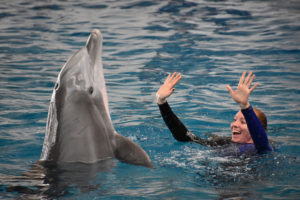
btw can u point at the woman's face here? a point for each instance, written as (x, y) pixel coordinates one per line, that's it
(239, 129)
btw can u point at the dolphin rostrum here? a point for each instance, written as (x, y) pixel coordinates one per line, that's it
(79, 127)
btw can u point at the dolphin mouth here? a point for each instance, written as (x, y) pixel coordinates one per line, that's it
(94, 41)
(96, 31)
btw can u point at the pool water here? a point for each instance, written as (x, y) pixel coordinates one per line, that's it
(210, 42)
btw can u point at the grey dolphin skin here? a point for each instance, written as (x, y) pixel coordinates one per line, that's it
(79, 128)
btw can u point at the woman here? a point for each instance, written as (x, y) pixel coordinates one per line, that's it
(248, 129)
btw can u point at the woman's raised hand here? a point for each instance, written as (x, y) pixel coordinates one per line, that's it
(167, 88)
(242, 93)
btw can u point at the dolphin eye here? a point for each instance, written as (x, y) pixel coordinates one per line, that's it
(56, 86)
(91, 90)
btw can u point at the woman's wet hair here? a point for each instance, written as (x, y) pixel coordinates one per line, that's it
(262, 117)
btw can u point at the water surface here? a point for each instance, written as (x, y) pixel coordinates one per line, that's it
(209, 42)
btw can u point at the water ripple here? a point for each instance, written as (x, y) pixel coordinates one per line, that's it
(209, 42)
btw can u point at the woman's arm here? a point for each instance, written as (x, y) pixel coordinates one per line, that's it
(257, 131)
(182, 134)
(177, 128)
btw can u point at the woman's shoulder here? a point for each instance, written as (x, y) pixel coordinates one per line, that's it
(212, 140)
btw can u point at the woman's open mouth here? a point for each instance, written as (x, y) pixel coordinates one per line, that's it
(235, 132)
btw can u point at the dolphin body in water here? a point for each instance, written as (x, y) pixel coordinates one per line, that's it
(79, 128)
(80, 140)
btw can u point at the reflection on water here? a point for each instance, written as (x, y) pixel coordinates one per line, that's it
(209, 42)
(54, 180)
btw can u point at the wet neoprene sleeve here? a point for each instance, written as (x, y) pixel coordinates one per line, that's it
(257, 131)
(176, 127)
(182, 134)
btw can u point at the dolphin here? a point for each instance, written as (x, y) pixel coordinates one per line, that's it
(79, 128)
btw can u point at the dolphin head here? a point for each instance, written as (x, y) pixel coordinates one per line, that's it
(82, 75)
(79, 128)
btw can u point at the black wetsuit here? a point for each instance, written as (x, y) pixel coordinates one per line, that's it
(257, 132)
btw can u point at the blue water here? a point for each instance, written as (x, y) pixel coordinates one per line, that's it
(209, 42)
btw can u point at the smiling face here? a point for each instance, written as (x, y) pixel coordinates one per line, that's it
(239, 129)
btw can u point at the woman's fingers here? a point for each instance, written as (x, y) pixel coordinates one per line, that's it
(242, 78)
(176, 79)
(251, 80)
(229, 89)
(247, 78)
(167, 79)
(173, 79)
(170, 77)
(254, 86)
(173, 75)
(170, 82)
